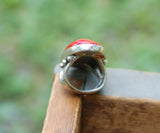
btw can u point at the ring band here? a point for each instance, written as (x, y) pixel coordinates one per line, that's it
(83, 61)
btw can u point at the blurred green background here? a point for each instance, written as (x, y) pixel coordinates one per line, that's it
(34, 33)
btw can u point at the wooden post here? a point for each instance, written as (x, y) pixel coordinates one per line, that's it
(64, 110)
(129, 103)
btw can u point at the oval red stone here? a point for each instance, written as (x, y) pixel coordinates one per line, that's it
(82, 41)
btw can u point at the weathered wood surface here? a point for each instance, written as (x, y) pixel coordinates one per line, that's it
(64, 111)
(103, 114)
(129, 103)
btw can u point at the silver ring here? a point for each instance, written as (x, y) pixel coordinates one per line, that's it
(82, 67)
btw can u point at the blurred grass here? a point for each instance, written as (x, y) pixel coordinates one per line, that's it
(33, 35)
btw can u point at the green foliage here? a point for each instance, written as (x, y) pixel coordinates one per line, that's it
(33, 34)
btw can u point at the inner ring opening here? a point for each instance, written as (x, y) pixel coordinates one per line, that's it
(86, 73)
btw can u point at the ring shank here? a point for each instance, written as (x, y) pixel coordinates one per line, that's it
(86, 68)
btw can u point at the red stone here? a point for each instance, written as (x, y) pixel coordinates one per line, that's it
(82, 41)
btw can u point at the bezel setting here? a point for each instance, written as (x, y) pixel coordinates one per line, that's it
(76, 50)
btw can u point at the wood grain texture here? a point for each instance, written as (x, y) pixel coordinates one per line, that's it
(104, 114)
(129, 103)
(64, 111)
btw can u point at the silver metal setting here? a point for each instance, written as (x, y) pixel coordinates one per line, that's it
(89, 49)
(85, 61)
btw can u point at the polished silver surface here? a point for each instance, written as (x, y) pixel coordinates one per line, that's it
(83, 64)
(87, 49)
